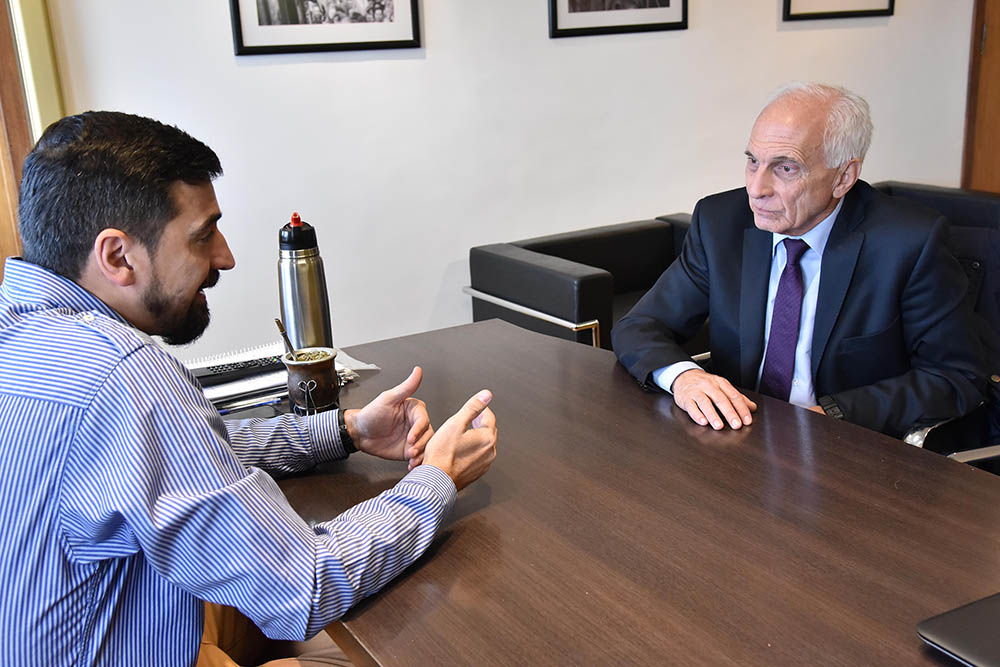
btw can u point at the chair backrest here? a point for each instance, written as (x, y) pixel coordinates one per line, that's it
(963, 208)
(975, 237)
(975, 240)
(634, 253)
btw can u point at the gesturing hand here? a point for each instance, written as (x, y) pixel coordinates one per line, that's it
(394, 425)
(699, 394)
(466, 444)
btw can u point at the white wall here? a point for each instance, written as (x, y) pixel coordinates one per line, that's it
(491, 132)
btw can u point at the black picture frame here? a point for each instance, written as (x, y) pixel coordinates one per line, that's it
(790, 14)
(559, 8)
(247, 38)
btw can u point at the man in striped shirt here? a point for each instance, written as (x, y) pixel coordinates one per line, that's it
(125, 499)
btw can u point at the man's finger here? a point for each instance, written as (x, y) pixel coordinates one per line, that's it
(472, 408)
(735, 395)
(745, 408)
(419, 420)
(415, 453)
(418, 430)
(485, 419)
(729, 412)
(732, 392)
(744, 411)
(692, 409)
(707, 408)
(743, 405)
(404, 389)
(727, 406)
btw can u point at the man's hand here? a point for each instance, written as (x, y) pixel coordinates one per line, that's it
(703, 396)
(394, 425)
(466, 444)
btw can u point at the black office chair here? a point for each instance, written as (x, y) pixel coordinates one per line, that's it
(575, 285)
(975, 239)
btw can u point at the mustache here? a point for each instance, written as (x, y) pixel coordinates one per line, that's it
(211, 280)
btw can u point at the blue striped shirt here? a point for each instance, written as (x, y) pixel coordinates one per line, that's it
(126, 500)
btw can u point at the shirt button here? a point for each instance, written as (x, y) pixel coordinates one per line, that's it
(87, 317)
(795, 383)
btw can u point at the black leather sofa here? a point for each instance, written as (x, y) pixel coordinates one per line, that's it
(578, 277)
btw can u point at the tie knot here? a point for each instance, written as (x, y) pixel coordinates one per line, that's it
(794, 249)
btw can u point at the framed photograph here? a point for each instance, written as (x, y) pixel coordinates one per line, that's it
(572, 18)
(299, 26)
(804, 10)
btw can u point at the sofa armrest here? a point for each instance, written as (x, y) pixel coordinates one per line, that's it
(635, 253)
(680, 223)
(559, 287)
(977, 455)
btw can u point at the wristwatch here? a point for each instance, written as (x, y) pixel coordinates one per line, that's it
(345, 436)
(830, 407)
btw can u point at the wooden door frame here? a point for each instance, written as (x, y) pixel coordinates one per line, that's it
(972, 96)
(15, 134)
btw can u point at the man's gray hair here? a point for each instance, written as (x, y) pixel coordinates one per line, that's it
(848, 131)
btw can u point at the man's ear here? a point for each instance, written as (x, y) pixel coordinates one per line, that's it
(112, 248)
(847, 177)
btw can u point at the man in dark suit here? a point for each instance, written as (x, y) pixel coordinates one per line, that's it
(820, 290)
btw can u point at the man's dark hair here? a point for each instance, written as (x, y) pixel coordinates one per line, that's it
(103, 169)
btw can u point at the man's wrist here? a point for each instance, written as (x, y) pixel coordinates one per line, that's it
(347, 425)
(665, 377)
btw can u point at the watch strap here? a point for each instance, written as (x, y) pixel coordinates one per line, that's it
(345, 436)
(830, 407)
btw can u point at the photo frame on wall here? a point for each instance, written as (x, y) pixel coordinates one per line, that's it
(301, 26)
(804, 10)
(574, 18)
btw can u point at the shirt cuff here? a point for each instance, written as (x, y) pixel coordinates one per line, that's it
(325, 436)
(664, 377)
(436, 480)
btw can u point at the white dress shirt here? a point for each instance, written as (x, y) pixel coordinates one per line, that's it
(802, 383)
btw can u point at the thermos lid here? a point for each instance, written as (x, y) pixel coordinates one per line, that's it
(297, 235)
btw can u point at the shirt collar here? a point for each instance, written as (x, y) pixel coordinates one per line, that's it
(816, 237)
(30, 284)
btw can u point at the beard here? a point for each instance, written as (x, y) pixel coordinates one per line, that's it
(178, 324)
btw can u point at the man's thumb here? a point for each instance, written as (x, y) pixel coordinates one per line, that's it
(474, 406)
(406, 388)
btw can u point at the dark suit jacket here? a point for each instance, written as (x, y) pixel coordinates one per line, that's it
(894, 344)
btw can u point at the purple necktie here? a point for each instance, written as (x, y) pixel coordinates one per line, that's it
(779, 361)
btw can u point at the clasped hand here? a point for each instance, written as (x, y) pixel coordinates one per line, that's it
(396, 426)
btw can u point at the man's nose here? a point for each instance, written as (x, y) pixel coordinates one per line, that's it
(223, 259)
(759, 183)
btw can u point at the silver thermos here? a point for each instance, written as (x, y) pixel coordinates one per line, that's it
(305, 306)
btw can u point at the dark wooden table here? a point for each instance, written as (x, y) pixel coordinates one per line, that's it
(612, 530)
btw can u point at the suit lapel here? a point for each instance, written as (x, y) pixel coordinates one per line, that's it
(839, 259)
(755, 273)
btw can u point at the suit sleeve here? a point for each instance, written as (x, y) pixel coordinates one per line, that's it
(946, 376)
(650, 336)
